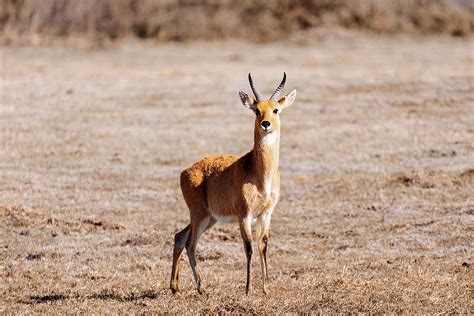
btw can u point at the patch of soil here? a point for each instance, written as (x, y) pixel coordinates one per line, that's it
(416, 180)
(20, 216)
(137, 241)
(105, 225)
(465, 178)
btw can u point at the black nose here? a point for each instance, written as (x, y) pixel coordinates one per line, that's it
(265, 124)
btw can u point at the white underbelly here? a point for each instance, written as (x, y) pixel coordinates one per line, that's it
(230, 218)
(225, 218)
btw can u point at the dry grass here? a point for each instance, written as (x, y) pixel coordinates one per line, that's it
(33, 21)
(376, 213)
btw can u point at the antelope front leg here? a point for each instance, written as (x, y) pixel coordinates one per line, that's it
(246, 231)
(262, 250)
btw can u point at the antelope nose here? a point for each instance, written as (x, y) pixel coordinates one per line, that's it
(266, 124)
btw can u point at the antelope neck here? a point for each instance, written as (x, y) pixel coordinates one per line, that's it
(265, 157)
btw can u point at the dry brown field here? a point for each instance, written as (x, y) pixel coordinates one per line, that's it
(377, 164)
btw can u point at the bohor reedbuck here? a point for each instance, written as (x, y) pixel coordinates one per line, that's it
(242, 189)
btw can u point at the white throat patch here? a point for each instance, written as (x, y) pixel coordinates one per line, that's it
(270, 139)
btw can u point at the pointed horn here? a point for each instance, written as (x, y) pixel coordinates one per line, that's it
(257, 94)
(276, 95)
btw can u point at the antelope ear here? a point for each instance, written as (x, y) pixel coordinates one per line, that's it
(287, 100)
(247, 100)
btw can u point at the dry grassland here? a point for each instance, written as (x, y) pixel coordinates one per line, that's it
(377, 163)
(254, 20)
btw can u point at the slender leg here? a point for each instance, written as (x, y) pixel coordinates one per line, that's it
(265, 257)
(262, 249)
(179, 243)
(246, 231)
(196, 231)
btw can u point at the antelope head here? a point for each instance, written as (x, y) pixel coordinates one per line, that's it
(267, 112)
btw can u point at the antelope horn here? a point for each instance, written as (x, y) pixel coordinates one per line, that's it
(257, 94)
(276, 95)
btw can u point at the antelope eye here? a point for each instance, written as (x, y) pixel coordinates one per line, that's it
(275, 111)
(257, 112)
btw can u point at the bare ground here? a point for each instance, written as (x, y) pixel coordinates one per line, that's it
(377, 163)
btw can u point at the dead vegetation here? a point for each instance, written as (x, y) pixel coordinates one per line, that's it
(33, 21)
(376, 205)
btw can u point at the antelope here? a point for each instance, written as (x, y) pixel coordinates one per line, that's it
(236, 189)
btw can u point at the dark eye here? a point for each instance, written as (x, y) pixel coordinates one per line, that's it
(257, 112)
(275, 111)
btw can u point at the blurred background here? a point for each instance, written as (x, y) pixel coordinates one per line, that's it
(256, 21)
